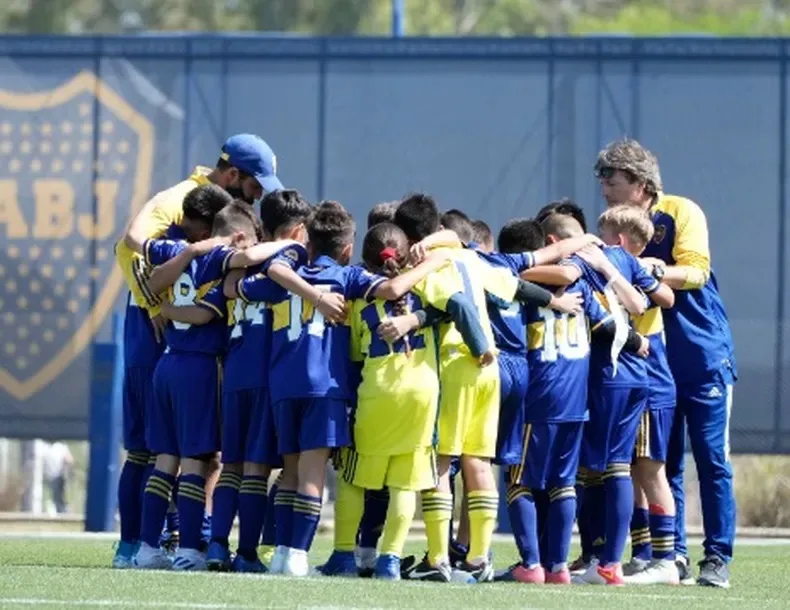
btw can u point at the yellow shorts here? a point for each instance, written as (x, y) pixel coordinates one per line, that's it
(414, 471)
(468, 408)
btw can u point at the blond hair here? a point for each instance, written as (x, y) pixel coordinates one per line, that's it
(629, 220)
(630, 156)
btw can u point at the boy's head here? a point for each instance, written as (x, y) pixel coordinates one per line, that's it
(331, 232)
(627, 226)
(557, 227)
(382, 212)
(521, 235)
(483, 235)
(285, 215)
(417, 216)
(563, 206)
(237, 221)
(200, 207)
(457, 221)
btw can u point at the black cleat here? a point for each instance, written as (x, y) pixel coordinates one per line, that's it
(425, 572)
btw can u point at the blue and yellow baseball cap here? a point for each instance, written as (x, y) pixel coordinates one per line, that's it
(250, 154)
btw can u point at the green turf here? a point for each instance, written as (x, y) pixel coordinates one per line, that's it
(46, 573)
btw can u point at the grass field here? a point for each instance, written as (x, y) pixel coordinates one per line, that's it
(57, 573)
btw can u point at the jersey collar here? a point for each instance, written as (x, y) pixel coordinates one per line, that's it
(325, 261)
(200, 175)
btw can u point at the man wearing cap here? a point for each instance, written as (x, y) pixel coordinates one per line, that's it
(246, 169)
(699, 348)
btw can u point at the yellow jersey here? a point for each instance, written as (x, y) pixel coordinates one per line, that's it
(398, 397)
(164, 209)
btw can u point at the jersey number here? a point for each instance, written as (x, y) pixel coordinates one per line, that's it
(184, 294)
(246, 312)
(564, 335)
(315, 325)
(378, 346)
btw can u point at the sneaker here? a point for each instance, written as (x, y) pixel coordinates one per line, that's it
(426, 572)
(241, 565)
(582, 564)
(218, 557)
(189, 560)
(482, 572)
(279, 558)
(296, 564)
(520, 573)
(340, 563)
(599, 575)
(635, 565)
(124, 554)
(659, 572)
(151, 558)
(685, 575)
(366, 561)
(387, 567)
(560, 577)
(713, 572)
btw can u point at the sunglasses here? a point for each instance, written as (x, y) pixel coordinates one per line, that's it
(604, 172)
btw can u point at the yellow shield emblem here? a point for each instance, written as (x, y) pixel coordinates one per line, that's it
(76, 162)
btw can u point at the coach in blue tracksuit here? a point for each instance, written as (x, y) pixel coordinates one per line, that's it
(699, 348)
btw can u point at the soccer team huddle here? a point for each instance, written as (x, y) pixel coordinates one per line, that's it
(258, 338)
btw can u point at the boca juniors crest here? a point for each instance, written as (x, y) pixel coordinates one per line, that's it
(75, 163)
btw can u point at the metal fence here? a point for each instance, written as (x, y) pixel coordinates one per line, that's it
(90, 127)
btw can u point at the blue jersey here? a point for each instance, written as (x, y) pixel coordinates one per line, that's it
(311, 359)
(250, 319)
(508, 320)
(631, 369)
(660, 381)
(558, 357)
(200, 285)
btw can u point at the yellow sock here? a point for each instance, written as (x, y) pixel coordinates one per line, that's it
(437, 512)
(400, 514)
(349, 506)
(483, 507)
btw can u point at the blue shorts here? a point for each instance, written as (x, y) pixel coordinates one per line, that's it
(303, 424)
(551, 458)
(610, 435)
(138, 403)
(652, 438)
(185, 419)
(248, 428)
(513, 383)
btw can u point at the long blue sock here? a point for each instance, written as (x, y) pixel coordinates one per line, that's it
(620, 505)
(149, 468)
(191, 506)
(226, 503)
(284, 513)
(252, 513)
(172, 521)
(524, 522)
(372, 524)
(155, 502)
(542, 512)
(662, 533)
(582, 520)
(130, 507)
(559, 526)
(595, 507)
(640, 534)
(306, 514)
(270, 522)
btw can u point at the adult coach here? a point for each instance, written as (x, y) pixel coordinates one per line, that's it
(699, 348)
(246, 168)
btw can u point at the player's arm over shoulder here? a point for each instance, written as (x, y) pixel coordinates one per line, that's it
(691, 249)
(161, 211)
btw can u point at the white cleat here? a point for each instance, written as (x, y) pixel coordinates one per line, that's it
(296, 564)
(580, 566)
(279, 559)
(635, 565)
(659, 572)
(150, 558)
(189, 560)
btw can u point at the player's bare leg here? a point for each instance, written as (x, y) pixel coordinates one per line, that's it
(483, 505)
(223, 510)
(191, 503)
(283, 507)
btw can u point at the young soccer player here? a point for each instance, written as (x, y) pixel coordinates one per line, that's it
(382, 212)
(482, 236)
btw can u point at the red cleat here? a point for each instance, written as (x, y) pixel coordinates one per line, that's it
(563, 577)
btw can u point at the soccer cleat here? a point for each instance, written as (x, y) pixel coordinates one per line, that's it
(218, 557)
(366, 561)
(582, 564)
(151, 558)
(407, 564)
(189, 560)
(387, 567)
(426, 572)
(340, 563)
(561, 577)
(279, 558)
(635, 565)
(520, 573)
(124, 555)
(713, 572)
(600, 575)
(245, 566)
(659, 572)
(685, 574)
(297, 565)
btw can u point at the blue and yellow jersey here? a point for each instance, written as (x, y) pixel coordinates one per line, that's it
(311, 359)
(698, 332)
(660, 381)
(166, 209)
(201, 285)
(558, 357)
(398, 396)
(631, 370)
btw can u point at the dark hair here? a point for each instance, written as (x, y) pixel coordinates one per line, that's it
(560, 225)
(224, 166)
(458, 221)
(238, 217)
(382, 212)
(520, 235)
(331, 228)
(204, 202)
(417, 216)
(563, 206)
(283, 210)
(482, 232)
